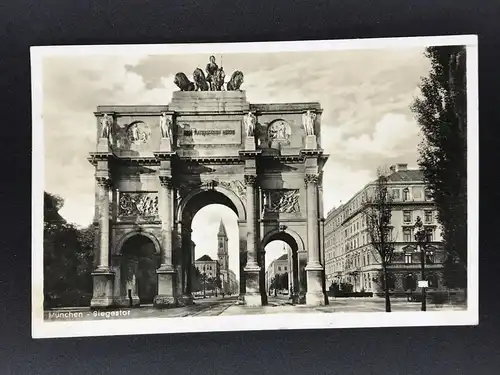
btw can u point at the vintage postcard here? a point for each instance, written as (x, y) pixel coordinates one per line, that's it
(254, 186)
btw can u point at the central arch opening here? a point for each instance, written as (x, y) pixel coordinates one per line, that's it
(211, 245)
(138, 269)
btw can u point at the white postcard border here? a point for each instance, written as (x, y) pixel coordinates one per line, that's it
(47, 329)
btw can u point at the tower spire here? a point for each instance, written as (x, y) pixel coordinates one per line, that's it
(222, 229)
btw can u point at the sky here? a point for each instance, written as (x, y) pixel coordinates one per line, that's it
(366, 121)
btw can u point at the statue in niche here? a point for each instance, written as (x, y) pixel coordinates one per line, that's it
(279, 131)
(250, 121)
(235, 82)
(212, 69)
(166, 126)
(182, 81)
(200, 80)
(308, 119)
(106, 124)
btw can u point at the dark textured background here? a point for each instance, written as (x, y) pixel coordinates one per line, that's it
(364, 351)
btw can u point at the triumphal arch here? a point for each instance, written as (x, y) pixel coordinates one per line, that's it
(157, 165)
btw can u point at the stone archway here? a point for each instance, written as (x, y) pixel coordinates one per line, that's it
(297, 274)
(138, 255)
(163, 163)
(182, 248)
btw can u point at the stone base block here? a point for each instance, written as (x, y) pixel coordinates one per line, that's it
(103, 289)
(165, 145)
(250, 144)
(315, 299)
(165, 302)
(103, 145)
(311, 142)
(209, 101)
(253, 299)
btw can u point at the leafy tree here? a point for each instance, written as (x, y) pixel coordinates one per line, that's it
(441, 115)
(68, 254)
(378, 204)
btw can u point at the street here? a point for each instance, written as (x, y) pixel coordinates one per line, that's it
(219, 306)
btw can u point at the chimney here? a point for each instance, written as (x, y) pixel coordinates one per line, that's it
(401, 167)
(392, 168)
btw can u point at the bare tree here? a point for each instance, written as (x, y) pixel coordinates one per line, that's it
(377, 212)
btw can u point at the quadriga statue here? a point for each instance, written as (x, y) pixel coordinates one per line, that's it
(182, 81)
(200, 80)
(235, 82)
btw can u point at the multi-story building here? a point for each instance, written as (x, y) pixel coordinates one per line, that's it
(277, 267)
(349, 257)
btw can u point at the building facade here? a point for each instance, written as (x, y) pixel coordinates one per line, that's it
(351, 259)
(278, 266)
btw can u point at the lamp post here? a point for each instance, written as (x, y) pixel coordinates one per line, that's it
(422, 238)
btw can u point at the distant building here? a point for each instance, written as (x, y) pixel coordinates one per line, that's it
(277, 267)
(207, 266)
(349, 257)
(211, 268)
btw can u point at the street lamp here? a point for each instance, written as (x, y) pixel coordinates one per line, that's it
(422, 238)
(204, 283)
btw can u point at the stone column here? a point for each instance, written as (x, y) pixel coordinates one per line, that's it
(166, 273)
(252, 268)
(314, 269)
(103, 276)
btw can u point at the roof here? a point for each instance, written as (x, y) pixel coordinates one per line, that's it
(407, 175)
(283, 257)
(222, 229)
(205, 258)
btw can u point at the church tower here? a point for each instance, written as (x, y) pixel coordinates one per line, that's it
(222, 250)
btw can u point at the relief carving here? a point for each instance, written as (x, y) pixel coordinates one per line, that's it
(138, 204)
(281, 201)
(237, 187)
(279, 132)
(138, 133)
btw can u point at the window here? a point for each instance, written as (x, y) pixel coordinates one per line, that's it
(396, 194)
(428, 216)
(430, 234)
(285, 268)
(407, 235)
(410, 283)
(406, 194)
(408, 257)
(279, 268)
(406, 216)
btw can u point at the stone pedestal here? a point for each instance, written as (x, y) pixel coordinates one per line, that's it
(311, 142)
(252, 294)
(166, 288)
(315, 295)
(249, 143)
(166, 145)
(212, 101)
(103, 289)
(103, 145)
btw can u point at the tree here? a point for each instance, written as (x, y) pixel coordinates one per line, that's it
(68, 254)
(377, 213)
(441, 115)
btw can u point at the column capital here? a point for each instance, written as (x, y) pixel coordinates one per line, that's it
(103, 181)
(250, 179)
(311, 178)
(166, 181)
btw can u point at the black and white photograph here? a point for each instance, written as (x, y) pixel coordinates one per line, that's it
(254, 186)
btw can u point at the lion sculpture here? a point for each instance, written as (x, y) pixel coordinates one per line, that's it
(200, 80)
(184, 83)
(236, 81)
